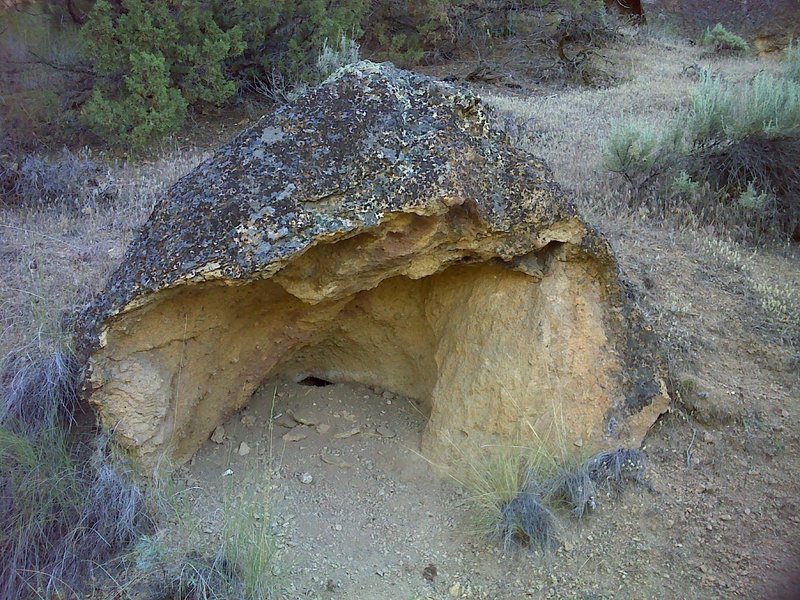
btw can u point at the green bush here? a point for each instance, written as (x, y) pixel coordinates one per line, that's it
(285, 37)
(723, 41)
(738, 142)
(791, 62)
(333, 57)
(408, 32)
(769, 106)
(152, 60)
(639, 153)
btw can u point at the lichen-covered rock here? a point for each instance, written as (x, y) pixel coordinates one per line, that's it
(376, 230)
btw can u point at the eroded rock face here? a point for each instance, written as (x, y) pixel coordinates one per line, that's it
(377, 230)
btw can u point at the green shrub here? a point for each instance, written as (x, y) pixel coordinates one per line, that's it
(723, 41)
(739, 143)
(145, 108)
(639, 153)
(791, 62)
(683, 185)
(285, 37)
(769, 106)
(332, 58)
(410, 32)
(152, 60)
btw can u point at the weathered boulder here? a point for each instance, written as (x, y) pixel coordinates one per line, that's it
(376, 230)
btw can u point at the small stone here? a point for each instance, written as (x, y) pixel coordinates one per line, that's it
(337, 527)
(568, 546)
(218, 437)
(306, 478)
(455, 590)
(388, 395)
(304, 419)
(244, 449)
(578, 442)
(323, 428)
(725, 517)
(336, 461)
(295, 435)
(227, 473)
(248, 420)
(386, 432)
(285, 421)
(708, 438)
(348, 433)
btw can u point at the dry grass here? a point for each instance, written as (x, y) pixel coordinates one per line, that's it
(66, 505)
(55, 257)
(569, 129)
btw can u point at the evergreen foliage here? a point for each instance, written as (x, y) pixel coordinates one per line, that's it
(724, 41)
(152, 60)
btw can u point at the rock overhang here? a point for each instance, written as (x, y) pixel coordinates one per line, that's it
(376, 180)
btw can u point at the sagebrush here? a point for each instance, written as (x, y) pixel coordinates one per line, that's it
(724, 41)
(731, 158)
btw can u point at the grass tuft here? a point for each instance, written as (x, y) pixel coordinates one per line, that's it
(248, 544)
(575, 489)
(615, 470)
(41, 394)
(71, 179)
(64, 509)
(527, 521)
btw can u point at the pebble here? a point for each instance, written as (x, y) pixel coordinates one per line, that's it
(304, 419)
(455, 590)
(385, 431)
(244, 449)
(285, 421)
(218, 436)
(348, 433)
(295, 435)
(306, 478)
(337, 461)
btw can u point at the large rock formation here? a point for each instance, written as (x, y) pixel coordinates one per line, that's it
(377, 230)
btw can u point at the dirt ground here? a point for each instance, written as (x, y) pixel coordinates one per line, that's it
(374, 520)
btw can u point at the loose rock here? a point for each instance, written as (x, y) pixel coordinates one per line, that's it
(218, 437)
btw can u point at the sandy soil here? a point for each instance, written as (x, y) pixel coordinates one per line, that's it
(360, 514)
